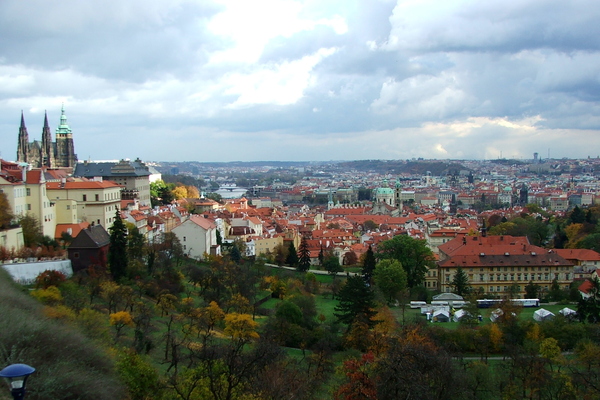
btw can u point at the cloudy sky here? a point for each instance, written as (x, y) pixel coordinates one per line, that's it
(231, 80)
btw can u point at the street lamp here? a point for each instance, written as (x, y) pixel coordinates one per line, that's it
(16, 375)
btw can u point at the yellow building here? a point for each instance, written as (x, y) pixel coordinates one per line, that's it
(494, 264)
(97, 201)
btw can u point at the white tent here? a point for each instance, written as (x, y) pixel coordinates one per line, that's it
(542, 314)
(441, 316)
(567, 312)
(460, 314)
(496, 314)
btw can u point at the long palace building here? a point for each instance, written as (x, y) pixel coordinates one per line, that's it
(494, 263)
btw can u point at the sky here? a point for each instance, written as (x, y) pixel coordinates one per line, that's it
(306, 80)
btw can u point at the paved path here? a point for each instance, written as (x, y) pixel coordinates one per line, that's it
(314, 271)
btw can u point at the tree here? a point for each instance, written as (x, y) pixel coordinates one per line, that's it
(292, 257)
(356, 299)
(414, 368)
(160, 193)
(6, 215)
(139, 375)
(350, 258)
(32, 230)
(119, 320)
(369, 264)
(460, 283)
(532, 290)
(304, 254)
(390, 278)
(588, 309)
(136, 243)
(577, 216)
(117, 252)
(359, 382)
(535, 229)
(332, 265)
(179, 192)
(49, 278)
(414, 255)
(556, 293)
(370, 225)
(235, 254)
(321, 256)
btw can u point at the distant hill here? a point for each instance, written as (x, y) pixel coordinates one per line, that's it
(396, 167)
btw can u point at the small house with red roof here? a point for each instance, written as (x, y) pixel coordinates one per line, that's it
(198, 237)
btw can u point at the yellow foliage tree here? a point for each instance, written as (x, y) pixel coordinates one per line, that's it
(240, 327)
(385, 327)
(192, 192)
(60, 312)
(496, 336)
(550, 349)
(120, 320)
(180, 192)
(50, 296)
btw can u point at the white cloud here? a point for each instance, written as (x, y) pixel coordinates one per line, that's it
(327, 79)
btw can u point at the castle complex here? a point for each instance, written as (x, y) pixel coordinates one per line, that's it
(58, 154)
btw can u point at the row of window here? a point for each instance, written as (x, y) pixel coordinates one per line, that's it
(107, 196)
(518, 269)
(511, 277)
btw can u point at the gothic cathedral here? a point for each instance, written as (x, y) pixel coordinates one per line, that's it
(58, 154)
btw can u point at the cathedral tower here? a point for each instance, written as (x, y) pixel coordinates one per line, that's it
(65, 149)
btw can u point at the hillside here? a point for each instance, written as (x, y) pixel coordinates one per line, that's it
(68, 365)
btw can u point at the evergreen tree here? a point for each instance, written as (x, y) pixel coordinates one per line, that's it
(577, 216)
(532, 290)
(460, 283)
(292, 257)
(235, 254)
(555, 293)
(117, 253)
(321, 256)
(356, 300)
(369, 264)
(304, 254)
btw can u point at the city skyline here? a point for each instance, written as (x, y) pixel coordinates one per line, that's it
(233, 80)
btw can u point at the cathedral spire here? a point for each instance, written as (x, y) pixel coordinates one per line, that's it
(23, 142)
(47, 150)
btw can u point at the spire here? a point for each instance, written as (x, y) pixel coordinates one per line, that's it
(23, 142)
(47, 154)
(63, 117)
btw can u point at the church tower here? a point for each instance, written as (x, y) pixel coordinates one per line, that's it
(23, 145)
(47, 156)
(65, 150)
